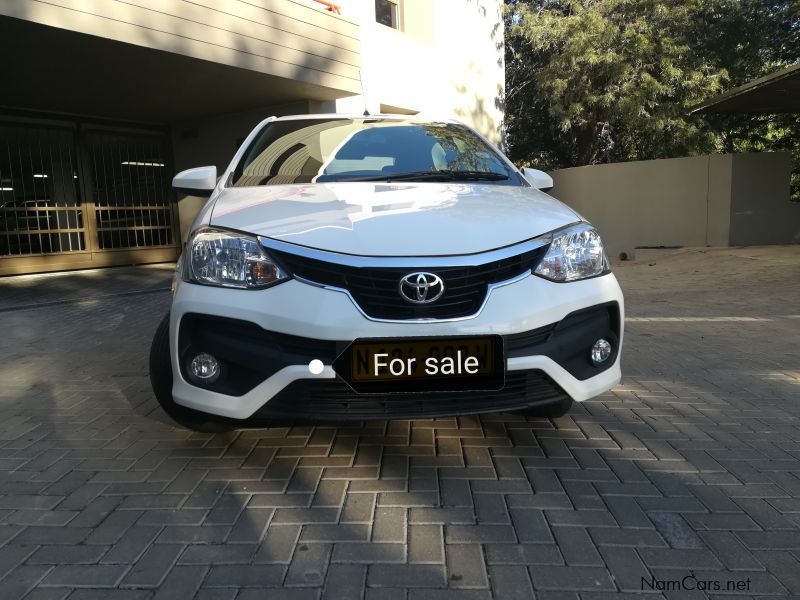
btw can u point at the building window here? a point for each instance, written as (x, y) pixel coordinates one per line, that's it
(387, 12)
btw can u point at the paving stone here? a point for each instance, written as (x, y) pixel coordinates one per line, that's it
(764, 514)
(409, 576)
(369, 553)
(577, 547)
(250, 525)
(350, 532)
(85, 575)
(54, 535)
(182, 582)
(278, 544)
(389, 524)
(358, 508)
(730, 551)
(243, 575)
(425, 544)
(108, 594)
(455, 492)
(510, 582)
(454, 594)
(678, 558)
(721, 522)
(68, 555)
(583, 579)
(30, 502)
(285, 516)
(22, 580)
(309, 565)
(676, 530)
(580, 518)
(443, 516)
(607, 536)
(113, 527)
(625, 567)
(344, 581)
(770, 540)
(523, 554)
(218, 594)
(131, 545)
(465, 566)
(627, 512)
(153, 566)
(455, 534)
(690, 463)
(781, 565)
(218, 554)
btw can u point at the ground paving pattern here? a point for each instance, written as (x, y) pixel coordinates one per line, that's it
(690, 466)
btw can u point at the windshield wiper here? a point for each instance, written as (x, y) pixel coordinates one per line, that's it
(479, 175)
(442, 175)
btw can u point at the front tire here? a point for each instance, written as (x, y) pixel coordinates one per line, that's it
(549, 411)
(161, 381)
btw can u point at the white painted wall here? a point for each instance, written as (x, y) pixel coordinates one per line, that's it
(446, 62)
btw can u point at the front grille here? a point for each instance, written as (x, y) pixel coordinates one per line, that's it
(333, 399)
(375, 289)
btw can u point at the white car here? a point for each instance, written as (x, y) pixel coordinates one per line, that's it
(382, 267)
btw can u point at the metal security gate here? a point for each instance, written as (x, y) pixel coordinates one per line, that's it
(74, 196)
(40, 208)
(129, 191)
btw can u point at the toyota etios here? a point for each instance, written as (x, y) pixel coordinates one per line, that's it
(382, 267)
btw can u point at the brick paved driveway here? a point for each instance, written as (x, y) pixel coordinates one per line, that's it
(692, 465)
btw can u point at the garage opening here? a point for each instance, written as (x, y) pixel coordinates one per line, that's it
(77, 195)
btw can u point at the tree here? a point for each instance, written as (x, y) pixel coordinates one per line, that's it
(590, 81)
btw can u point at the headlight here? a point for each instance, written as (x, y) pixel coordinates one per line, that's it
(575, 253)
(229, 259)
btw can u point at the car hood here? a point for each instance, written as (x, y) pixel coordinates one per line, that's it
(383, 219)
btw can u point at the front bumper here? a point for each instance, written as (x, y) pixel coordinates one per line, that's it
(546, 327)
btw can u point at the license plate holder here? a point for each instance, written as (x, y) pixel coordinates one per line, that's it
(477, 363)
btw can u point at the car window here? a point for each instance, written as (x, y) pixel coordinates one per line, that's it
(340, 149)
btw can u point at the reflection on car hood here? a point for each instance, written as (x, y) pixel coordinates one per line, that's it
(397, 219)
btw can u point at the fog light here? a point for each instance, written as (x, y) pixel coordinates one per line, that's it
(600, 352)
(205, 368)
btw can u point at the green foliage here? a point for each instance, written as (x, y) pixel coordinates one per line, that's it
(591, 81)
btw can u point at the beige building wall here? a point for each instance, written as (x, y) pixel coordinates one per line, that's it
(714, 200)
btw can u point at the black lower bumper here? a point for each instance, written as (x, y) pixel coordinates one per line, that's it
(249, 354)
(333, 399)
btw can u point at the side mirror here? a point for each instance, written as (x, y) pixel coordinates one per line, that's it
(538, 179)
(199, 181)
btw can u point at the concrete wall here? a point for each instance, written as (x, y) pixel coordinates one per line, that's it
(284, 38)
(716, 200)
(759, 211)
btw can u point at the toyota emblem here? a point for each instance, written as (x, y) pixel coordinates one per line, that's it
(421, 287)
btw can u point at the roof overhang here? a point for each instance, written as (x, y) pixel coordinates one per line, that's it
(775, 93)
(54, 70)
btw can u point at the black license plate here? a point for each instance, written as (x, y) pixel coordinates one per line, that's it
(423, 364)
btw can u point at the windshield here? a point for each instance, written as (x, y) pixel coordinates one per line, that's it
(368, 149)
